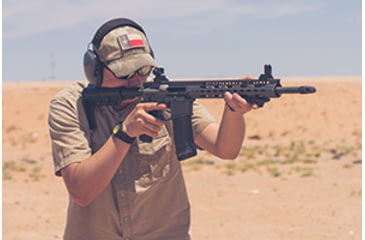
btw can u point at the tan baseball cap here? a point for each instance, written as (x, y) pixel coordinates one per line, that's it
(124, 50)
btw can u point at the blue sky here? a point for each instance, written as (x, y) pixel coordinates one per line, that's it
(46, 40)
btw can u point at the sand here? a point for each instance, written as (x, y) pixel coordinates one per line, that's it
(298, 175)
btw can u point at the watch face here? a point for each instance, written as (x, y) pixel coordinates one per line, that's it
(116, 129)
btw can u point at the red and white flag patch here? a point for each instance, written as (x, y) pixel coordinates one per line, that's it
(129, 41)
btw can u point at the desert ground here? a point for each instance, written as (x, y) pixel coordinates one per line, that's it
(298, 175)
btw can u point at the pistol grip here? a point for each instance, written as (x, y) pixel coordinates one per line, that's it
(157, 114)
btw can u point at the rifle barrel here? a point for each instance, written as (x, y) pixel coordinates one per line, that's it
(301, 90)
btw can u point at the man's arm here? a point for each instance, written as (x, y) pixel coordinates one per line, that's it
(86, 179)
(224, 140)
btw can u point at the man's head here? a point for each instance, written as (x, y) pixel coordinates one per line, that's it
(121, 46)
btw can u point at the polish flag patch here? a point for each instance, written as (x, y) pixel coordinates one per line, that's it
(129, 41)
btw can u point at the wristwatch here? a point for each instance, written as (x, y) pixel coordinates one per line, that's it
(119, 133)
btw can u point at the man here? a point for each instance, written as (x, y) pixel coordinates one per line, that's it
(119, 186)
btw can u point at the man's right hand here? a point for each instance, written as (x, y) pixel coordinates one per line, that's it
(140, 122)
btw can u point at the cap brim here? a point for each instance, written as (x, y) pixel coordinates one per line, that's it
(127, 65)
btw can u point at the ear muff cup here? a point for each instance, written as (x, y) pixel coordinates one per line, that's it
(93, 67)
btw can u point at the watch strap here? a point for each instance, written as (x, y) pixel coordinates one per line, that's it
(119, 133)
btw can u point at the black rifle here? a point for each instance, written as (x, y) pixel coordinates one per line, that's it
(179, 97)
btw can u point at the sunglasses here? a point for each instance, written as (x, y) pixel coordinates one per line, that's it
(142, 72)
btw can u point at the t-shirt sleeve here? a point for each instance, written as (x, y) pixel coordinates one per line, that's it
(69, 142)
(201, 118)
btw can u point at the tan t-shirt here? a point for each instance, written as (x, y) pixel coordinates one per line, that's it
(146, 198)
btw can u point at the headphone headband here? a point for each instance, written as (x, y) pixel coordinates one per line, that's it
(110, 25)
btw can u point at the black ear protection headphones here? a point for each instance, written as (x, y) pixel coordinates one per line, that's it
(93, 67)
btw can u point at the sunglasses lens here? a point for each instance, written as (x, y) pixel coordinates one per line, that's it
(144, 71)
